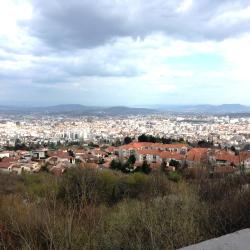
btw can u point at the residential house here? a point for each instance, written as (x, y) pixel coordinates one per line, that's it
(40, 154)
(226, 158)
(132, 148)
(197, 156)
(245, 160)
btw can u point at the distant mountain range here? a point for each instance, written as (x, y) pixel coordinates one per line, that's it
(205, 109)
(77, 109)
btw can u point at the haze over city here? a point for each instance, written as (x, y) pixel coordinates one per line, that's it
(124, 52)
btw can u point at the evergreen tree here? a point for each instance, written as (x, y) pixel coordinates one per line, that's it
(131, 160)
(127, 140)
(163, 167)
(145, 168)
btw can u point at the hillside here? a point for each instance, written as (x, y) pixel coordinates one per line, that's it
(75, 109)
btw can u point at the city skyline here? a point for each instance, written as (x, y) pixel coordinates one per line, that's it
(129, 53)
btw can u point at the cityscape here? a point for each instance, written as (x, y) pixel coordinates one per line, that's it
(104, 138)
(124, 125)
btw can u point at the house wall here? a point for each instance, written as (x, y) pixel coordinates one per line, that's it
(2, 155)
(5, 170)
(247, 164)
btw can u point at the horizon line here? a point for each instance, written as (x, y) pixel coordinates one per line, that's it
(117, 105)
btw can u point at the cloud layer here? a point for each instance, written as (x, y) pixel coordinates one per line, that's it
(79, 24)
(130, 52)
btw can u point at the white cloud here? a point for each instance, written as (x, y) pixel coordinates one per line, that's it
(237, 54)
(233, 16)
(11, 12)
(185, 6)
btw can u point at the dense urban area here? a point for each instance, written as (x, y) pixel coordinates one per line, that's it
(122, 182)
(27, 142)
(222, 130)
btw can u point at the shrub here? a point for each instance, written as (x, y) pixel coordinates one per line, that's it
(90, 209)
(79, 186)
(158, 224)
(228, 205)
(174, 176)
(39, 185)
(10, 184)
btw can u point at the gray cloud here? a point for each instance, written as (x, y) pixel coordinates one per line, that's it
(108, 51)
(55, 69)
(73, 24)
(67, 24)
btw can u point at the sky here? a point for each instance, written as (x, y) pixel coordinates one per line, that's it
(124, 52)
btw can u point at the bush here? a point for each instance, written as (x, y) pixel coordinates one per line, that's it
(79, 186)
(90, 209)
(161, 223)
(39, 185)
(87, 186)
(11, 184)
(174, 176)
(228, 204)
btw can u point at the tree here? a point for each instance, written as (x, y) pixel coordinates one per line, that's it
(118, 165)
(181, 140)
(164, 167)
(44, 168)
(175, 164)
(143, 138)
(20, 145)
(157, 139)
(131, 160)
(52, 145)
(127, 140)
(145, 168)
(114, 165)
(71, 153)
(126, 168)
(152, 139)
(93, 145)
(234, 150)
(117, 143)
(205, 144)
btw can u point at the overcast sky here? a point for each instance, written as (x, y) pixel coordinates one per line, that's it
(124, 52)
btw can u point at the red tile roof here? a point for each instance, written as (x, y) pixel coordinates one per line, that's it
(141, 145)
(60, 153)
(7, 162)
(80, 151)
(167, 146)
(229, 156)
(197, 154)
(172, 155)
(110, 149)
(245, 155)
(148, 152)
